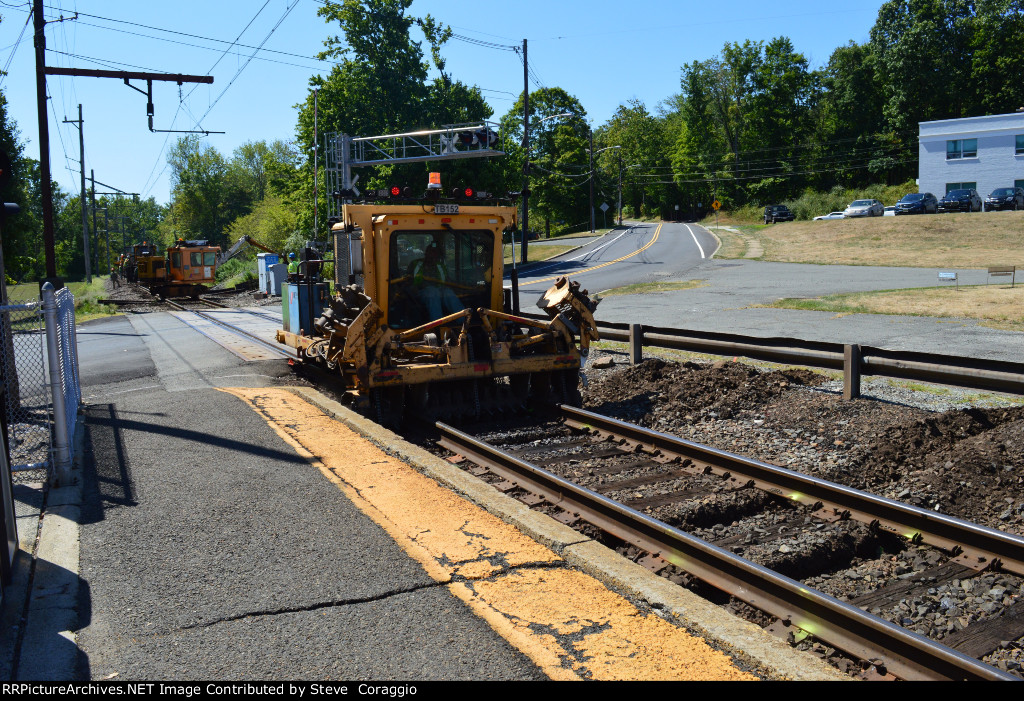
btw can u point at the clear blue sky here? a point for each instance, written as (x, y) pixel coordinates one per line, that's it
(603, 52)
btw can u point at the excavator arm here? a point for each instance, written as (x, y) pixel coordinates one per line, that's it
(240, 245)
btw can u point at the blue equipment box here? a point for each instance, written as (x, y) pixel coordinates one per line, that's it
(295, 305)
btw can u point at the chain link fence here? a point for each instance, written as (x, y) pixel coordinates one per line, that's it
(40, 383)
(26, 386)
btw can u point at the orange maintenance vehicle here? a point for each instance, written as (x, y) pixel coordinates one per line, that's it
(426, 325)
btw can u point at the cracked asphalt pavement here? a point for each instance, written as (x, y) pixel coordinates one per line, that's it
(210, 549)
(232, 530)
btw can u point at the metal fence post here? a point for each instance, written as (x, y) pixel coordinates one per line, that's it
(636, 343)
(851, 371)
(61, 444)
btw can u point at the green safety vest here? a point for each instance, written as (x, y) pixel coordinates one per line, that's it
(418, 274)
(293, 267)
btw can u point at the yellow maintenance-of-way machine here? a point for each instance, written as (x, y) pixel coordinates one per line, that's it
(425, 325)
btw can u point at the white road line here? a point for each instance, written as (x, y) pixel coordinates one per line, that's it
(699, 248)
(582, 255)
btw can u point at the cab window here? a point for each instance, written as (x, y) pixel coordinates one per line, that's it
(209, 258)
(197, 258)
(176, 260)
(467, 258)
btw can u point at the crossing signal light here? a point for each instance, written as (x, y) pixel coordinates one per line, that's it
(395, 191)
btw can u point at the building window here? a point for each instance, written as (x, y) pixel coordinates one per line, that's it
(961, 186)
(961, 148)
(1020, 144)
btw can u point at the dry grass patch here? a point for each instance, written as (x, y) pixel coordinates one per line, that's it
(645, 287)
(975, 240)
(999, 306)
(535, 254)
(733, 244)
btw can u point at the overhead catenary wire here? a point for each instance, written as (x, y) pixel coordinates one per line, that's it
(231, 82)
(14, 50)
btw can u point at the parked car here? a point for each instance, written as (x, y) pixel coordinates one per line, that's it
(777, 212)
(864, 208)
(1005, 198)
(830, 215)
(918, 203)
(890, 211)
(960, 201)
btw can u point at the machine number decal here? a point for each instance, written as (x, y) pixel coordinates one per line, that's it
(446, 209)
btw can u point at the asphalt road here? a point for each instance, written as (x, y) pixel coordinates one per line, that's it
(645, 252)
(731, 291)
(211, 550)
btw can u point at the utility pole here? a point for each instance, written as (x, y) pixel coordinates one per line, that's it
(591, 179)
(95, 231)
(106, 234)
(85, 221)
(620, 187)
(316, 165)
(526, 169)
(42, 71)
(45, 190)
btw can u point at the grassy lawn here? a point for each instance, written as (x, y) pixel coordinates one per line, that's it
(647, 287)
(87, 297)
(998, 306)
(535, 254)
(963, 240)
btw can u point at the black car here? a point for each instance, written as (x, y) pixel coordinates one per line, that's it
(960, 201)
(918, 203)
(1005, 198)
(777, 212)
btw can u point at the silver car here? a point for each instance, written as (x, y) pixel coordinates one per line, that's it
(864, 208)
(830, 215)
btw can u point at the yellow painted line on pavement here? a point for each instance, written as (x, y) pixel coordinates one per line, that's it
(603, 265)
(565, 621)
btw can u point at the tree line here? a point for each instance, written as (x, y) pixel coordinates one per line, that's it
(752, 125)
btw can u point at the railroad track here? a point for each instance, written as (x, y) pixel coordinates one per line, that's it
(652, 494)
(195, 306)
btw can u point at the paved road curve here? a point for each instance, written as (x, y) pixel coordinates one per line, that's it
(645, 252)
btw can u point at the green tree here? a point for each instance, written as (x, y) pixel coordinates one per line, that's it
(997, 60)
(923, 50)
(643, 156)
(200, 207)
(381, 86)
(559, 163)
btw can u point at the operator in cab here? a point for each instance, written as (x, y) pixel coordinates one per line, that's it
(431, 278)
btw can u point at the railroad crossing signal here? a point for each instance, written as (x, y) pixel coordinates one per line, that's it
(716, 205)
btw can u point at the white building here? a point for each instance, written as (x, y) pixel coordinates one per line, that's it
(981, 153)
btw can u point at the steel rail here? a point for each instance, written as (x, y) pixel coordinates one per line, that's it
(905, 654)
(234, 329)
(977, 546)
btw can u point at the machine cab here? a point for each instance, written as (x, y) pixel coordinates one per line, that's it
(420, 264)
(433, 273)
(192, 262)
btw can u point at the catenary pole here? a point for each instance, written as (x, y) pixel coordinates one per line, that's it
(85, 217)
(526, 156)
(45, 188)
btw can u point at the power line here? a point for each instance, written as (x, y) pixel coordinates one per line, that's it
(273, 29)
(15, 49)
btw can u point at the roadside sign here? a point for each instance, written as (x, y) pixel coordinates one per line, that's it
(716, 205)
(604, 207)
